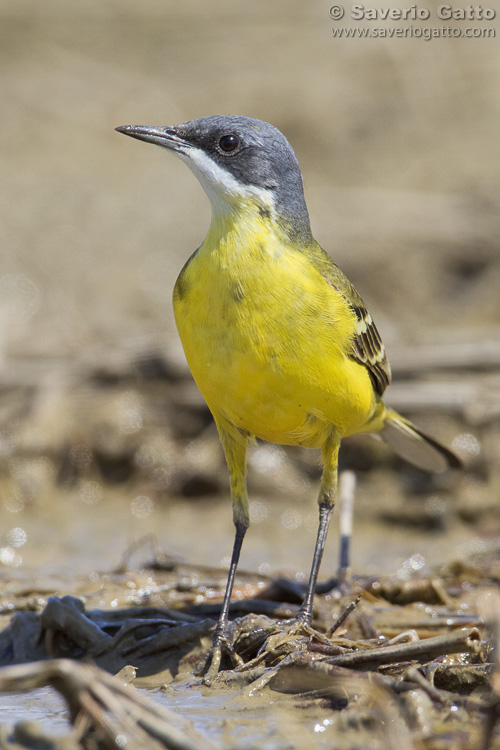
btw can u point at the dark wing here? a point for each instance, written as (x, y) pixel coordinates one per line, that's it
(367, 347)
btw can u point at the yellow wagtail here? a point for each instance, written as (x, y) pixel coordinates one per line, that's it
(278, 340)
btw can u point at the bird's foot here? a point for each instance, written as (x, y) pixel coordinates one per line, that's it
(291, 635)
(260, 641)
(271, 641)
(222, 645)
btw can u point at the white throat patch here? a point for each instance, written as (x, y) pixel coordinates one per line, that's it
(222, 189)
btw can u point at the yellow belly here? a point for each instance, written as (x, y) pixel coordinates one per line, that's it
(266, 339)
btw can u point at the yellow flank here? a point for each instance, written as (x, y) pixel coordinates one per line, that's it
(267, 337)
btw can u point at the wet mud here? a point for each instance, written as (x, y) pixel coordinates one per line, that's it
(383, 663)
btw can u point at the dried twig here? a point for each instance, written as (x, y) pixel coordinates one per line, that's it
(461, 641)
(102, 703)
(344, 615)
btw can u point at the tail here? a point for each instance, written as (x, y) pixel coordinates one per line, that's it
(415, 446)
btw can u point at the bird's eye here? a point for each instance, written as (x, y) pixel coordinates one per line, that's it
(229, 142)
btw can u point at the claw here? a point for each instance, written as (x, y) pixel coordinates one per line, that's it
(213, 663)
(220, 645)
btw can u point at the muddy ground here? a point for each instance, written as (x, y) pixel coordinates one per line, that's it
(113, 489)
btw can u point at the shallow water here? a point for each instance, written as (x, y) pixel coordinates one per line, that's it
(236, 725)
(44, 706)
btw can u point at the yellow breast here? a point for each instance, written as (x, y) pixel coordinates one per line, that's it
(267, 338)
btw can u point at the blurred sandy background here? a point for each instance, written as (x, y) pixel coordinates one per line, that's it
(398, 143)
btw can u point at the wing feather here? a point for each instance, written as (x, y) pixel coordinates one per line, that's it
(367, 347)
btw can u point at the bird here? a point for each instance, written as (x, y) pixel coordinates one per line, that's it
(278, 340)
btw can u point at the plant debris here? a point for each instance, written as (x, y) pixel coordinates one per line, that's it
(430, 669)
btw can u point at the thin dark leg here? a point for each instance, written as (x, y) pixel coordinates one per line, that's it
(235, 448)
(220, 630)
(305, 613)
(220, 634)
(326, 501)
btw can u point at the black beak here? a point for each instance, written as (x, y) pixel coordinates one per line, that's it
(161, 136)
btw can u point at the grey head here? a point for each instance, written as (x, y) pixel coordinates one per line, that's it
(237, 158)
